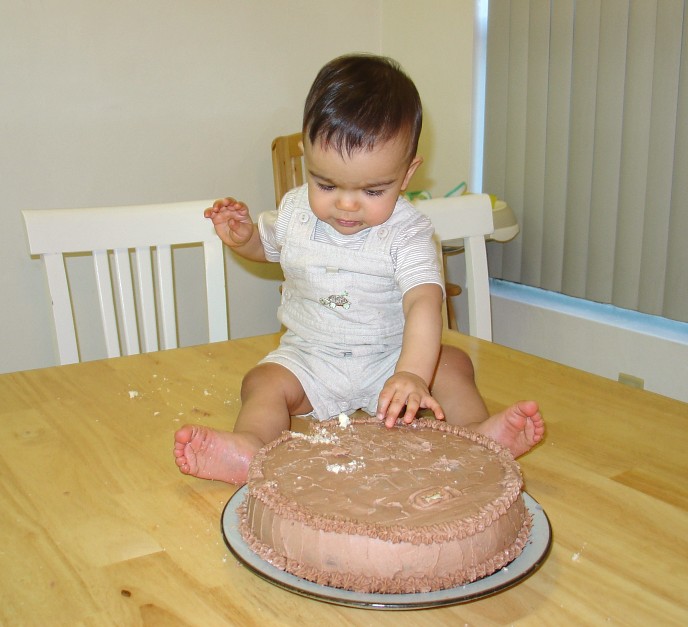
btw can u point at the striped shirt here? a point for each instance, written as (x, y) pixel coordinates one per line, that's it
(413, 251)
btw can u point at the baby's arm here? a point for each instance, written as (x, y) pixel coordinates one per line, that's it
(410, 384)
(236, 229)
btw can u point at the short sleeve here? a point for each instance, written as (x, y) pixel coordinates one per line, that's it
(272, 225)
(266, 229)
(415, 255)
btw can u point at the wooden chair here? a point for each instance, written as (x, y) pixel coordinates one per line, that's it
(467, 217)
(287, 164)
(137, 309)
(287, 172)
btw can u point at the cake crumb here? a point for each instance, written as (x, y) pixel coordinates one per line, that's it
(352, 466)
(133, 393)
(319, 437)
(344, 420)
(577, 555)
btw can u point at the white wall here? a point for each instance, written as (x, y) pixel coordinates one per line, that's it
(434, 43)
(107, 103)
(596, 338)
(600, 339)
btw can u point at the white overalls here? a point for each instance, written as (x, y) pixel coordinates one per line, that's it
(343, 312)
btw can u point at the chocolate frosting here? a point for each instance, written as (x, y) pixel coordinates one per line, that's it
(412, 508)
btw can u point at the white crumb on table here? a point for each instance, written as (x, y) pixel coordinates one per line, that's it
(577, 555)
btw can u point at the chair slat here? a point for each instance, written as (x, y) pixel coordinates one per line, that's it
(125, 297)
(477, 286)
(287, 166)
(146, 299)
(62, 308)
(217, 296)
(168, 316)
(108, 316)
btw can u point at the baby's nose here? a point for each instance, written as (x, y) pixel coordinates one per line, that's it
(346, 202)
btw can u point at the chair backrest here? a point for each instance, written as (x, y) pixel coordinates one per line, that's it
(137, 309)
(467, 217)
(287, 165)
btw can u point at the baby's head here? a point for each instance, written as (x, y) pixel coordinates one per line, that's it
(359, 101)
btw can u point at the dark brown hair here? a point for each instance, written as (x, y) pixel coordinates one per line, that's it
(359, 100)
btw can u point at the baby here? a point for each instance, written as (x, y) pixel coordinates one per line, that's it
(362, 296)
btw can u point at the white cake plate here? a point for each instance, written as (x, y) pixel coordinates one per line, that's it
(531, 558)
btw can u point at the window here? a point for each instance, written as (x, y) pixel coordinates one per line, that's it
(586, 138)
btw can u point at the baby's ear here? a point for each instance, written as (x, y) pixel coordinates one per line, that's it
(413, 166)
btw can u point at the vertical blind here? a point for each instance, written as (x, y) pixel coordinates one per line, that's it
(586, 138)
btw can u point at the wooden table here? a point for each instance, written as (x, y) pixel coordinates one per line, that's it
(99, 527)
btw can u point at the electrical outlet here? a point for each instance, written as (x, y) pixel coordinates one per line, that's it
(631, 381)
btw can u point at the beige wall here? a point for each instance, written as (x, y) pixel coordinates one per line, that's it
(131, 102)
(434, 42)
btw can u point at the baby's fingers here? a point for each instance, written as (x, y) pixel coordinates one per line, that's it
(430, 403)
(412, 407)
(224, 205)
(387, 408)
(416, 402)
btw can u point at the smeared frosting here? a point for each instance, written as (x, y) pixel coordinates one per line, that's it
(413, 508)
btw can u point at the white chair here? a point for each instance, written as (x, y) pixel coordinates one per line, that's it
(137, 309)
(467, 217)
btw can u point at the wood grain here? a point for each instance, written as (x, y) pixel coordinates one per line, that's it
(99, 527)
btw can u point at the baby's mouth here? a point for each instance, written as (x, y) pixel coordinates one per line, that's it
(348, 223)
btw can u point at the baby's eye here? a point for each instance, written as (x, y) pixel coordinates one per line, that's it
(375, 192)
(325, 188)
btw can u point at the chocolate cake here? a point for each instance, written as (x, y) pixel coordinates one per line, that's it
(357, 506)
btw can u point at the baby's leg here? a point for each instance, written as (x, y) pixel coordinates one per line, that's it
(270, 394)
(455, 389)
(518, 428)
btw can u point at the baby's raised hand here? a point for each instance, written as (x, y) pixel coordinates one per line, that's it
(405, 389)
(232, 221)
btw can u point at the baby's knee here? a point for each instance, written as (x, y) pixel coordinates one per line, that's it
(256, 380)
(270, 381)
(457, 360)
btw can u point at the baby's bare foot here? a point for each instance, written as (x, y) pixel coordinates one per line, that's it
(211, 454)
(519, 427)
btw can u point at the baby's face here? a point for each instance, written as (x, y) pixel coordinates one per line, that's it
(357, 191)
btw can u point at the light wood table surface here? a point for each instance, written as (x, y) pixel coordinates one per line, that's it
(100, 528)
